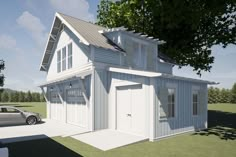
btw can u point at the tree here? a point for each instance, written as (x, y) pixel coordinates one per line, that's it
(190, 28)
(28, 97)
(5, 96)
(233, 91)
(21, 97)
(211, 95)
(2, 67)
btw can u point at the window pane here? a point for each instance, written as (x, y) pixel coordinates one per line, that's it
(143, 56)
(136, 54)
(173, 110)
(64, 59)
(58, 56)
(70, 56)
(64, 53)
(59, 67)
(70, 49)
(171, 102)
(69, 62)
(11, 110)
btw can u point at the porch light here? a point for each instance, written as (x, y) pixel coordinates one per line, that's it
(70, 85)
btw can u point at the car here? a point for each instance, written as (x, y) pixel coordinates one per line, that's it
(12, 115)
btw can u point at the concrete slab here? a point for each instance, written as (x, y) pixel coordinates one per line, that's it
(49, 128)
(108, 139)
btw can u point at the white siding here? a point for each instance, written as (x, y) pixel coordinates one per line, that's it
(184, 120)
(107, 56)
(100, 99)
(81, 55)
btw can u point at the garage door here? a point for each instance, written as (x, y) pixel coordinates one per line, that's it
(57, 110)
(76, 112)
(131, 110)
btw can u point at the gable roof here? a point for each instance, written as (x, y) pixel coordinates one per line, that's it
(88, 33)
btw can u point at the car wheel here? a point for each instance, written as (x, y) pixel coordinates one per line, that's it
(31, 120)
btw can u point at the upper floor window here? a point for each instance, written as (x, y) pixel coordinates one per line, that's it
(70, 56)
(195, 102)
(59, 61)
(64, 58)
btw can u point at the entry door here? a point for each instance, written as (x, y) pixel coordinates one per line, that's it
(131, 109)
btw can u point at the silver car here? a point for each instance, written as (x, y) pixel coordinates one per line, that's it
(11, 115)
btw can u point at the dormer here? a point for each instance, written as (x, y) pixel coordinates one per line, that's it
(141, 50)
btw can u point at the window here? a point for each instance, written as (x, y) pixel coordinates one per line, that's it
(195, 102)
(70, 56)
(143, 57)
(12, 110)
(171, 102)
(59, 61)
(64, 59)
(136, 54)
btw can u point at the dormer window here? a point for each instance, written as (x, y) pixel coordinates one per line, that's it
(139, 55)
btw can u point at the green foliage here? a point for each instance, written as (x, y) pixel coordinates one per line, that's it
(190, 28)
(216, 95)
(5, 96)
(2, 67)
(16, 96)
(233, 91)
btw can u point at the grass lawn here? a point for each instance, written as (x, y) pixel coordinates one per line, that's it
(219, 140)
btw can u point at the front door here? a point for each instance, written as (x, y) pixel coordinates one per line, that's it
(131, 109)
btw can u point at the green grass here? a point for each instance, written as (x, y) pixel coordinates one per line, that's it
(39, 107)
(217, 141)
(223, 107)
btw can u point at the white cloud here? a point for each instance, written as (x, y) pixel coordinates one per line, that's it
(34, 26)
(76, 8)
(7, 42)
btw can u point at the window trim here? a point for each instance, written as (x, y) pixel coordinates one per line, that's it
(195, 89)
(59, 62)
(71, 56)
(64, 59)
(175, 87)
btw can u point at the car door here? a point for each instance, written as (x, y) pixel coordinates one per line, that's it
(12, 116)
(3, 119)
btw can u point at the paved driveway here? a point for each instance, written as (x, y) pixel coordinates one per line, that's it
(49, 128)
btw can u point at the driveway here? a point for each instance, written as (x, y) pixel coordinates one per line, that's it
(48, 128)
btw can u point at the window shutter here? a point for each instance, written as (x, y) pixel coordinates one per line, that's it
(163, 98)
(150, 51)
(202, 102)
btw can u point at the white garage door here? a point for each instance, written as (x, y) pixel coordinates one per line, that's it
(131, 109)
(57, 110)
(76, 112)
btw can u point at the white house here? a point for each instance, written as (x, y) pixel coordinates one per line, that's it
(99, 78)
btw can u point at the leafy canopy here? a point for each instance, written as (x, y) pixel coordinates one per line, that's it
(190, 27)
(2, 67)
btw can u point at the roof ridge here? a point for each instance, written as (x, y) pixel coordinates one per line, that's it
(80, 20)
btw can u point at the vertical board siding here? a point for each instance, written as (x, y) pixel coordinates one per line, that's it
(100, 100)
(184, 120)
(164, 68)
(107, 56)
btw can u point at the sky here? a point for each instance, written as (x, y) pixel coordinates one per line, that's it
(25, 25)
